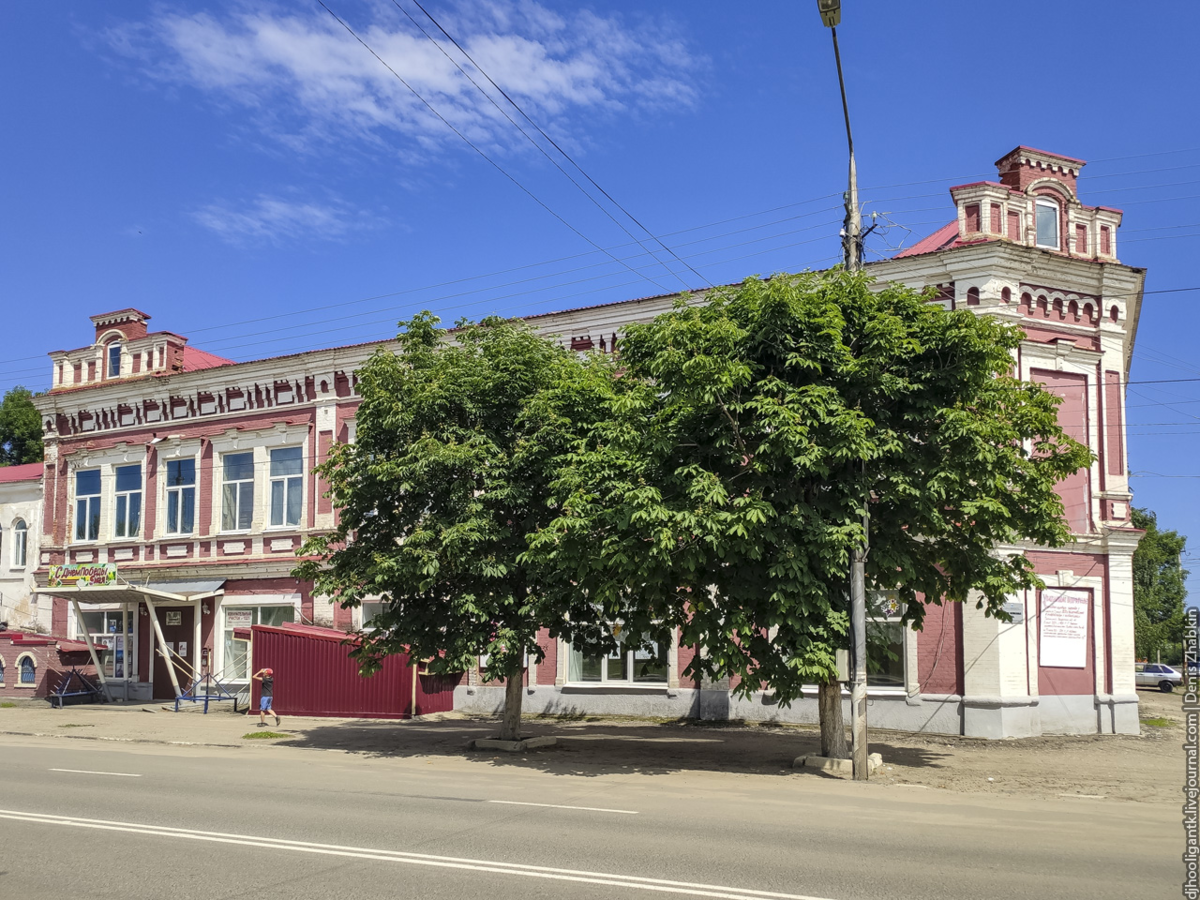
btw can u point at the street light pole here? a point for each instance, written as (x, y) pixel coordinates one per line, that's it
(831, 15)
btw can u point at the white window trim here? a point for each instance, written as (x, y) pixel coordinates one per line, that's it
(167, 489)
(623, 684)
(76, 497)
(270, 482)
(219, 484)
(1037, 239)
(242, 601)
(118, 494)
(18, 683)
(20, 538)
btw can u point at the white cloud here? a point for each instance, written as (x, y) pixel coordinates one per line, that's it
(274, 220)
(309, 83)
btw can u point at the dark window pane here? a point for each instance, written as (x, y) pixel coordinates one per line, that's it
(181, 472)
(129, 478)
(239, 466)
(245, 504)
(885, 654)
(87, 483)
(189, 510)
(287, 461)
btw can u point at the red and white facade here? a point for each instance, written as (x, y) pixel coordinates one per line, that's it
(217, 459)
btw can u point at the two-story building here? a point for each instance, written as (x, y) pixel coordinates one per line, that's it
(20, 532)
(191, 476)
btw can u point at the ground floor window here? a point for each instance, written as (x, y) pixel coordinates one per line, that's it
(27, 670)
(885, 641)
(370, 609)
(646, 664)
(237, 660)
(104, 628)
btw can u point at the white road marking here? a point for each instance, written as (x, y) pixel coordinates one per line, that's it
(624, 812)
(635, 882)
(89, 772)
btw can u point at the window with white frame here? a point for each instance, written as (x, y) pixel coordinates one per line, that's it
(885, 641)
(287, 485)
(114, 359)
(237, 498)
(20, 544)
(370, 609)
(129, 501)
(627, 664)
(104, 627)
(1047, 224)
(26, 671)
(236, 662)
(87, 505)
(181, 496)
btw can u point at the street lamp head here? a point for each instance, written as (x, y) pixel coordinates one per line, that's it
(831, 12)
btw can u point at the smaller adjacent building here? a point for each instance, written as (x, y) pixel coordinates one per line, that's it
(37, 665)
(20, 528)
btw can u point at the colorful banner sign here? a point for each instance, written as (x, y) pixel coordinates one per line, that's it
(82, 575)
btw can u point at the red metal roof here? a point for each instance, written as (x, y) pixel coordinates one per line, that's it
(72, 647)
(194, 360)
(939, 240)
(1028, 149)
(27, 472)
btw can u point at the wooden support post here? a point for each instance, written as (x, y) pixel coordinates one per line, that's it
(87, 637)
(162, 646)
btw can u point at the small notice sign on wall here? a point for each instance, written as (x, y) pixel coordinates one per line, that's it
(1063, 629)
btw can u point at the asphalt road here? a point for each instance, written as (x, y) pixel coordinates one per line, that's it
(85, 819)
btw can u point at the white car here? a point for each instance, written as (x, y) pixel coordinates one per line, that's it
(1157, 675)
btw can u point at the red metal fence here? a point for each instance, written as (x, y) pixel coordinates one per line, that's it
(315, 676)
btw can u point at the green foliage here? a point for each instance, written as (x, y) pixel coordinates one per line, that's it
(20, 429)
(725, 489)
(457, 444)
(1159, 589)
(264, 735)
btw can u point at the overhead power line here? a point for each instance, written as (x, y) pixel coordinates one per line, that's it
(540, 131)
(475, 147)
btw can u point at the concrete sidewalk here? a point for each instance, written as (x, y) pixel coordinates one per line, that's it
(1145, 768)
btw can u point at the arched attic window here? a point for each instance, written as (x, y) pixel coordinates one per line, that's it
(973, 296)
(114, 359)
(1047, 223)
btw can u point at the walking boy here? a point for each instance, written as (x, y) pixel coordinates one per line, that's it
(267, 677)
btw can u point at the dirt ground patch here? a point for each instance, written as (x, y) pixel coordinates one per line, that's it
(1146, 767)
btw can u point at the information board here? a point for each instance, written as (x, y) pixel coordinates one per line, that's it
(1063, 629)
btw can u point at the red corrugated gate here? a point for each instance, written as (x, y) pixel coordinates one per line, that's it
(315, 676)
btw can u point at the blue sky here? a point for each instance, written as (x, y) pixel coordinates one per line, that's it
(253, 177)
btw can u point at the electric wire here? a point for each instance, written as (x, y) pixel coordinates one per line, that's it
(539, 129)
(472, 144)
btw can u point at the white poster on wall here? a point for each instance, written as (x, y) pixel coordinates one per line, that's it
(239, 618)
(1063, 629)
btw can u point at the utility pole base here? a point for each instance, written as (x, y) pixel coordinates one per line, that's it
(839, 768)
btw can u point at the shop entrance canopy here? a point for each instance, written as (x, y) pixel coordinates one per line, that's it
(152, 592)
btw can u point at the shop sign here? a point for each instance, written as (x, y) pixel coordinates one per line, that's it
(82, 575)
(1064, 629)
(239, 618)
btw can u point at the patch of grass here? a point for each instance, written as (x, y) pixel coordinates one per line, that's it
(1158, 722)
(263, 735)
(8, 704)
(76, 725)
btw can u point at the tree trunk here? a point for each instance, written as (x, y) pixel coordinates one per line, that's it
(510, 725)
(833, 730)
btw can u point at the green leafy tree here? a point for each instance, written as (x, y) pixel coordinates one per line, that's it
(20, 429)
(1159, 588)
(457, 443)
(725, 489)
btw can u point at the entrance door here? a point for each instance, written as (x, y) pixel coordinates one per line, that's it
(177, 628)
